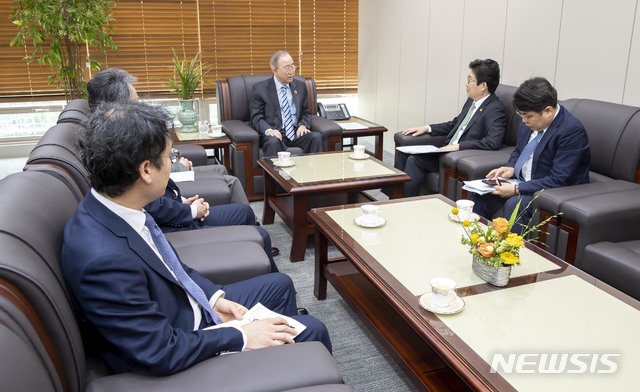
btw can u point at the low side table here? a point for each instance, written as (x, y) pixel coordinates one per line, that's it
(219, 145)
(367, 128)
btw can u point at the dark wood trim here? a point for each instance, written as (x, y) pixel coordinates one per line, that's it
(449, 173)
(573, 230)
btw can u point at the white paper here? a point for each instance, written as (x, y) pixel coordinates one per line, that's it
(260, 312)
(479, 187)
(421, 149)
(183, 176)
(352, 125)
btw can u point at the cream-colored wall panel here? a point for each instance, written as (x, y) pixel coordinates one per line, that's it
(413, 65)
(593, 50)
(367, 58)
(530, 48)
(446, 20)
(632, 85)
(389, 35)
(482, 37)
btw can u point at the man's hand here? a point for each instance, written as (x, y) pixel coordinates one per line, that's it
(273, 133)
(415, 131)
(505, 190)
(268, 332)
(202, 207)
(229, 310)
(302, 129)
(186, 163)
(504, 172)
(449, 147)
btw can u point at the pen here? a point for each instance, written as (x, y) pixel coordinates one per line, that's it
(498, 179)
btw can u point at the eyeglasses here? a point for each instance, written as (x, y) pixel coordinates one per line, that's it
(174, 156)
(526, 116)
(289, 68)
(469, 80)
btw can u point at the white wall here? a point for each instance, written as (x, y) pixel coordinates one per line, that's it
(413, 54)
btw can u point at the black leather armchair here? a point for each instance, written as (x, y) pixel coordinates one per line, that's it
(233, 98)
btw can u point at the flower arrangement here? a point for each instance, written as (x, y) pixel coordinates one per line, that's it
(497, 246)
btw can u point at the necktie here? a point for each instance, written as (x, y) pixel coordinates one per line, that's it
(287, 119)
(527, 151)
(169, 257)
(463, 124)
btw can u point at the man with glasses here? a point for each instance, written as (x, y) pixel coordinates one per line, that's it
(480, 125)
(552, 151)
(280, 110)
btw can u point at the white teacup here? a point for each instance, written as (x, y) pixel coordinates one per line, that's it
(465, 209)
(443, 292)
(216, 130)
(284, 157)
(371, 213)
(358, 151)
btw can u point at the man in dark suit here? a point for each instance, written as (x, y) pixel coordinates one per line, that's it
(480, 125)
(139, 307)
(552, 151)
(280, 110)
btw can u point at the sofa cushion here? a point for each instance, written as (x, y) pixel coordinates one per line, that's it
(615, 263)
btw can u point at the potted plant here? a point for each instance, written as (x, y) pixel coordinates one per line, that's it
(187, 77)
(58, 32)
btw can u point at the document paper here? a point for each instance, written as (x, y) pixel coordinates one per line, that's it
(421, 149)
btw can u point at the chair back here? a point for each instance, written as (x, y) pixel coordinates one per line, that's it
(505, 94)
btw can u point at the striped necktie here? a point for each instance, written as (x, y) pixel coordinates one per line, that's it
(169, 257)
(287, 119)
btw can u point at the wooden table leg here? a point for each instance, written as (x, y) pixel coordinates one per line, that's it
(321, 260)
(268, 214)
(299, 220)
(379, 145)
(227, 158)
(397, 191)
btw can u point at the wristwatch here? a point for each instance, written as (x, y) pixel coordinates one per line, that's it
(517, 189)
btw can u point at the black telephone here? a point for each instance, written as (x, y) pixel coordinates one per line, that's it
(336, 111)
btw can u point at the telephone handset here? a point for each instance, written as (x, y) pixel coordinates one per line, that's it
(336, 111)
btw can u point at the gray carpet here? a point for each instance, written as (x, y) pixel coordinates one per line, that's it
(363, 363)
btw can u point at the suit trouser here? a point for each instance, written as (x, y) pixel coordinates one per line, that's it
(237, 191)
(488, 205)
(310, 142)
(276, 292)
(417, 166)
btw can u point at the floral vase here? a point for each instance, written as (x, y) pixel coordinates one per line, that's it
(187, 115)
(497, 276)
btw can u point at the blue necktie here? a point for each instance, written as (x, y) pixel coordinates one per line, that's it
(525, 154)
(289, 129)
(169, 257)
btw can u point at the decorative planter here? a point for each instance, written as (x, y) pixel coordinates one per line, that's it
(187, 115)
(497, 276)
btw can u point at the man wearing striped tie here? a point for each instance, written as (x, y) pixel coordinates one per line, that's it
(280, 110)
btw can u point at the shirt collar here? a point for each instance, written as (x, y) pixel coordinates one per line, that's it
(481, 100)
(135, 218)
(278, 84)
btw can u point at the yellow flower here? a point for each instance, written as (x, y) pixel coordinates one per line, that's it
(514, 240)
(454, 211)
(509, 258)
(501, 225)
(474, 238)
(466, 223)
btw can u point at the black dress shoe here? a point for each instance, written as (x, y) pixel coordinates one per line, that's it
(303, 311)
(275, 251)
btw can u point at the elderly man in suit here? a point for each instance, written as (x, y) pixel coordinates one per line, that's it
(480, 125)
(552, 151)
(140, 308)
(280, 110)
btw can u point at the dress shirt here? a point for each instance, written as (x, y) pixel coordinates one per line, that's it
(294, 114)
(528, 165)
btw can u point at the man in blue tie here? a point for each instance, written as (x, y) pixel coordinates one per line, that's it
(140, 308)
(280, 110)
(552, 151)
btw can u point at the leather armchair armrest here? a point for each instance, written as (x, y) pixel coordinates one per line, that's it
(325, 126)
(240, 132)
(408, 140)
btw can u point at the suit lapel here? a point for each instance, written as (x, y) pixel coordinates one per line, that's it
(275, 100)
(122, 229)
(548, 134)
(479, 111)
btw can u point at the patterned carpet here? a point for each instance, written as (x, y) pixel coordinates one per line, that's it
(363, 363)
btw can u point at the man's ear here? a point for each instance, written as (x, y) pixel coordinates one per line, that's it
(144, 169)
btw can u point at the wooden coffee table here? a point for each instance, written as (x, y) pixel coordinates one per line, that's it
(547, 307)
(219, 145)
(325, 179)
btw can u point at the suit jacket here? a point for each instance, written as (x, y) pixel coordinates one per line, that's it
(485, 130)
(131, 309)
(561, 158)
(265, 105)
(169, 212)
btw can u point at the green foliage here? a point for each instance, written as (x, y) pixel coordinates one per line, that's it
(58, 31)
(187, 74)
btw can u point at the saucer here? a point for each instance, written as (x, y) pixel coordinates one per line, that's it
(358, 157)
(474, 217)
(456, 306)
(279, 164)
(221, 134)
(362, 222)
